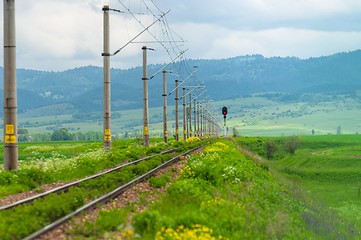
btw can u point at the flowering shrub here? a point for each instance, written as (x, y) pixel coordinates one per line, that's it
(187, 172)
(231, 174)
(127, 234)
(196, 232)
(218, 146)
(193, 139)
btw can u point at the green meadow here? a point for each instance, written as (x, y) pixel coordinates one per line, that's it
(261, 116)
(255, 115)
(324, 173)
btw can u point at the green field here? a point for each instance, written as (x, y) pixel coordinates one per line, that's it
(256, 115)
(130, 121)
(259, 116)
(324, 173)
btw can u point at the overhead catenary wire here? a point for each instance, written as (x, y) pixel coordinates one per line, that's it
(140, 22)
(183, 81)
(171, 43)
(192, 89)
(145, 29)
(160, 70)
(163, 29)
(172, 49)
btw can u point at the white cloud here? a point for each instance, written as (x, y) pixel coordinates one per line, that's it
(263, 14)
(60, 34)
(218, 42)
(58, 30)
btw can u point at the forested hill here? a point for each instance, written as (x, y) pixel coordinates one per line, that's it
(241, 76)
(225, 78)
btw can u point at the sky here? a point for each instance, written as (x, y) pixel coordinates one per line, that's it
(56, 35)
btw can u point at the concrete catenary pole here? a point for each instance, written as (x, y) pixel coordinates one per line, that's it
(190, 115)
(195, 117)
(204, 122)
(106, 65)
(145, 98)
(198, 120)
(176, 111)
(10, 97)
(165, 117)
(207, 125)
(184, 115)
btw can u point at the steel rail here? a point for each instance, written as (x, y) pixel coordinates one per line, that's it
(75, 183)
(107, 197)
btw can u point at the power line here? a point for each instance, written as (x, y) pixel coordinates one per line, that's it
(145, 29)
(140, 22)
(167, 64)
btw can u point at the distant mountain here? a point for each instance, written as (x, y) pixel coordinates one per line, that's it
(247, 75)
(82, 88)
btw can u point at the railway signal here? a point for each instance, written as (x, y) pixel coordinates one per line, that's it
(225, 112)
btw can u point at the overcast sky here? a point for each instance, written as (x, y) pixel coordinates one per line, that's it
(62, 34)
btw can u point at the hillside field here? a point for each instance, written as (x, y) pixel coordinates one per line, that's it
(262, 116)
(256, 115)
(324, 173)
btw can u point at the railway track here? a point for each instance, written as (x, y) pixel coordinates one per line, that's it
(65, 187)
(100, 200)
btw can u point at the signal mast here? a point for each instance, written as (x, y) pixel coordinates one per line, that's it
(224, 112)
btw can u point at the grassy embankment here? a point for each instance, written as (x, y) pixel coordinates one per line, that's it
(223, 194)
(326, 173)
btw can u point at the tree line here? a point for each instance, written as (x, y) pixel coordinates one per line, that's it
(62, 134)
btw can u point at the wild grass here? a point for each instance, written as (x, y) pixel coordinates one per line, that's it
(222, 194)
(325, 173)
(47, 163)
